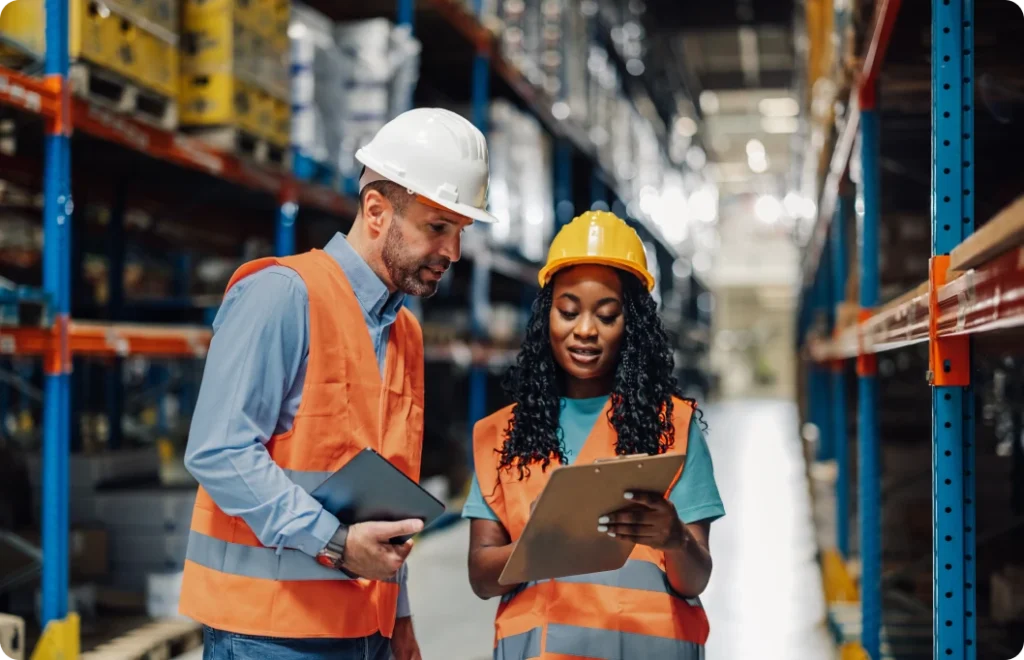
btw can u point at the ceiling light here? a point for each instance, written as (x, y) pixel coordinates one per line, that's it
(755, 149)
(686, 127)
(767, 209)
(635, 67)
(757, 164)
(793, 203)
(696, 158)
(709, 102)
(703, 205)
(780, 125)
(560, 110)
(779, 107)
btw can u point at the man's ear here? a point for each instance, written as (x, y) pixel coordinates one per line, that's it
(376, 211)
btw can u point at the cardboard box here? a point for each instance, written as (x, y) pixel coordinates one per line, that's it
(12, 636)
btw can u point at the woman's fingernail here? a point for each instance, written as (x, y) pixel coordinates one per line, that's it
(628, 496)
(611, 534)
(602, 528)
(603, 520)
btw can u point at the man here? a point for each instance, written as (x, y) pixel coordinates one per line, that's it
(314, 358)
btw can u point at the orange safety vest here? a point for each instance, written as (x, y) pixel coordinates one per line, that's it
(632, 612)
(234, 583)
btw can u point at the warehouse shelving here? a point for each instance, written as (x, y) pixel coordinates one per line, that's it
(975, 285)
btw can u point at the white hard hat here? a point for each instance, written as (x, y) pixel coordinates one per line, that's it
(435, 153)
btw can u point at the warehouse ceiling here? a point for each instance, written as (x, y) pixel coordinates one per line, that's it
(727, 71)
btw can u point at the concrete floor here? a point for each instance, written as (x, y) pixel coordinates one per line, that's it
(765, 599)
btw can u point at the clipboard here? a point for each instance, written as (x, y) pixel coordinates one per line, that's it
(369, 488)
(561, 538)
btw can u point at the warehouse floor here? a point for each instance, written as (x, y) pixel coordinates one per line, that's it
(765, 599)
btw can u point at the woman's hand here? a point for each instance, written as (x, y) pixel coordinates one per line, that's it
(649, 520)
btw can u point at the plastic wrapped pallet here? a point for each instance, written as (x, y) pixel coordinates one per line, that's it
(521, 194)
(317, 85)
(380, 72)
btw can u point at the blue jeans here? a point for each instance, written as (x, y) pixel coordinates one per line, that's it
(220, 645)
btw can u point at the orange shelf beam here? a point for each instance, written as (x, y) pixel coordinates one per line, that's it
(41, 97)
(109, 339)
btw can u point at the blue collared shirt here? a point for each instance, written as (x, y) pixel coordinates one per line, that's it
(251, 389)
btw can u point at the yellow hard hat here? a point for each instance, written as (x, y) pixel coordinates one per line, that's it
(599, 238)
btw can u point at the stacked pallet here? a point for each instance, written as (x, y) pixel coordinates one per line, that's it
(235, 90)
(124, 52)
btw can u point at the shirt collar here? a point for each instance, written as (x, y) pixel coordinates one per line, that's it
(371, 292)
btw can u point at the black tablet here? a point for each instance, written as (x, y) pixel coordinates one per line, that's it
(370, 488)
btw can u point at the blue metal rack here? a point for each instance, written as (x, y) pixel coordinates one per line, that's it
(952, 207)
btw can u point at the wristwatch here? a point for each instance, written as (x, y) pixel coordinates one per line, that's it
(333, 554)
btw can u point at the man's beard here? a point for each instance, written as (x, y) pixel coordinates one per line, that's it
(405, 272)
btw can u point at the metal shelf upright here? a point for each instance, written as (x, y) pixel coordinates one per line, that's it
(972, 279)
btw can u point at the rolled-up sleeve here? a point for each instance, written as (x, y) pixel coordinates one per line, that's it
(256, 357)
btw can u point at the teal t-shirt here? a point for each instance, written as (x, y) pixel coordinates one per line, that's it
(695, 495)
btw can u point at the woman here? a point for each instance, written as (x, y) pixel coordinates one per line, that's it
(594, 380)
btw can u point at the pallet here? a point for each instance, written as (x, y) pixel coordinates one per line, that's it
(313, 171)
(244, 144)
(159, 640)
(115, 92)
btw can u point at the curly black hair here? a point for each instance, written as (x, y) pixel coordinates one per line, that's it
(642, 394)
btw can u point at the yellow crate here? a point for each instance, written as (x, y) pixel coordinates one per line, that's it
(22, 26)
(209, 40)
(219, 99)
(282, 133)
(102, 37)
(206, 99)
(158, 65)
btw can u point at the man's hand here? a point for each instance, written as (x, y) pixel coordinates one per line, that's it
(403, 641)
(650, 520)
(369, 552)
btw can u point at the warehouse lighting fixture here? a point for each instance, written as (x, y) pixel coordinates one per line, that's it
(757, 160)
(709, 102)
(798, 206)
(686, 126)
(696, 158)
(767, 209)
(681, 268)
(703, 205)
(560, 110)
(779, 107)
(635, 67)
(780, 125)
(648, 200)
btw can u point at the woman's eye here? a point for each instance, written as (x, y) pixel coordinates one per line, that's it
(568, 316)
(608, 320)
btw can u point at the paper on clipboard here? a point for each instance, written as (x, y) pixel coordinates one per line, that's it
(561, 538)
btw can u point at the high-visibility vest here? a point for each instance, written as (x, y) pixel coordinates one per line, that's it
(231, 581)
(632, 612)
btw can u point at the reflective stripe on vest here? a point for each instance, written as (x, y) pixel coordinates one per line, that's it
(615, 645)
(257, 561)
(519, 647)
(636, 574)
(595, 643)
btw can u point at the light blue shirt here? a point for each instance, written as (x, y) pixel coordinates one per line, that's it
(251, 389)
(695, 495)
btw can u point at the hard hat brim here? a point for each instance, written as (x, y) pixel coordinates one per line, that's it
(466, 210)
(548, 272)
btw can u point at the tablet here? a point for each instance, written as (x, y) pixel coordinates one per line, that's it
(370, 488)
(561, 538)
